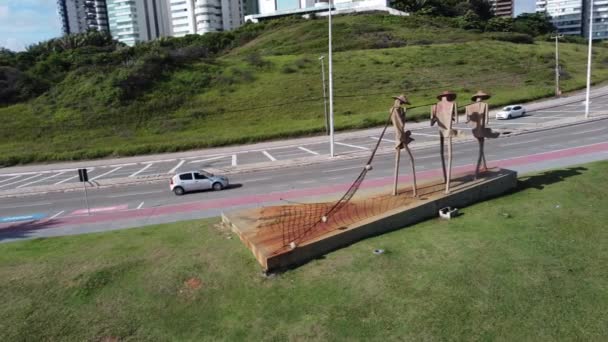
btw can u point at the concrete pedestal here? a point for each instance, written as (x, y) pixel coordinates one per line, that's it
(271, 233)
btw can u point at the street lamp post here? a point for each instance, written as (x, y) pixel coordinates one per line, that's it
(331, 87)
(324, 94)
(557, 37)
(589, 59)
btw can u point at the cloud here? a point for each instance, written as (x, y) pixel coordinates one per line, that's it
(26, 22)
(4, 12)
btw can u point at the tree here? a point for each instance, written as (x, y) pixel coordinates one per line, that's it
(470, 21)
(534, 24)
(500, 24)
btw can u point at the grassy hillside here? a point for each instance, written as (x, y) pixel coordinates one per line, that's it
(529, 266)
(267, 85)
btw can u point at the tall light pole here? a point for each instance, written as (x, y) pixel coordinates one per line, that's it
(324, 94)
(331, 89)
(589, 59)
(557, 37)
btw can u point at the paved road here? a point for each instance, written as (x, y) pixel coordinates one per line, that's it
(138, 205)
(17, 178)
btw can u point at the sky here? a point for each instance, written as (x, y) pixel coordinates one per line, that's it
(26, 22)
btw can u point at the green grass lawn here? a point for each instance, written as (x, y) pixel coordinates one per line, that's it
(527, 266)
(271, 88)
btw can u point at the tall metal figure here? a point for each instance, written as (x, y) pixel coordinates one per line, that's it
(478, 118)
(444, 113)
(403, 138)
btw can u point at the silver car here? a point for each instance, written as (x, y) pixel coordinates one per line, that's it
(509, 112)
(196, 181)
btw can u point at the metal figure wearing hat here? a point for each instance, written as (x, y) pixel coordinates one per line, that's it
(444, 113)
(403, 138)
(478, 118)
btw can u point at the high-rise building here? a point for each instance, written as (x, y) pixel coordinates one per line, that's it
(133, 21)
(78, 16)
(270, 9)
(502, 8)
(202, 16)
(571, 17)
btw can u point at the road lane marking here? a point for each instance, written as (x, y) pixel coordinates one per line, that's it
(258, 179)
(121, 165)
(19, 181)
(353, 146)
(520, 142)
(588, 131)
(343, 169)
(40, 180)
(141, 170)
(205, 160)
(136, 194)
(38, 204)
(515, 123)
(269, 156)
(10, 179)
(101, 210)
(234, 161)
(425, 134)
(107, 173)
(59, 213)
(181, 162)
(307, 150)
(384, 139)
(65, 180)
(140, 205)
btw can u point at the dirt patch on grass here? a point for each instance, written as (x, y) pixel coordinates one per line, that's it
(193, 284)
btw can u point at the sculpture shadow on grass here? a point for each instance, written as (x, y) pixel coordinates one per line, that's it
(546, 178)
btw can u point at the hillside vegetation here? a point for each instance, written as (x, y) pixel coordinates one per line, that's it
(263, 81)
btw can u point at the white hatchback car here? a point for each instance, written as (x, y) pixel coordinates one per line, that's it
(195, 181)
(511, 112)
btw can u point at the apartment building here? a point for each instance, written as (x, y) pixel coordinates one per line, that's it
(202, 16)
(269, 9)
(502, 8)
(78, 16)
(571, 17)
(133, 21)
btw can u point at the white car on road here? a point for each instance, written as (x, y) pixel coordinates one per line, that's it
(196, 181)
(511, 112)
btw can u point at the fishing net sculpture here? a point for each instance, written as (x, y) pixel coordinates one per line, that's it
(303, 222)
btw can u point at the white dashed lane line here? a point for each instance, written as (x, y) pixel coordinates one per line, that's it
(21, 180)
(206, 160)
(10, 179)
(107, 173)
(141, 170)
(269, 156)
(181, 162)
(352, 146)
(307, 150)
(41, 180)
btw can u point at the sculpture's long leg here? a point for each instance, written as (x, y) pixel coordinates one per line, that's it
(414, 186)
(447, 183)
(397, 160)
(480, 157)
(483, 154)
(442, 156)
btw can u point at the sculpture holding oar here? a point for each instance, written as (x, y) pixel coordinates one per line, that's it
(403, 138)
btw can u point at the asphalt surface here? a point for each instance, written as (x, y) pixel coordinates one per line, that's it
(62, 213)
(287, 184)
(16, 178)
